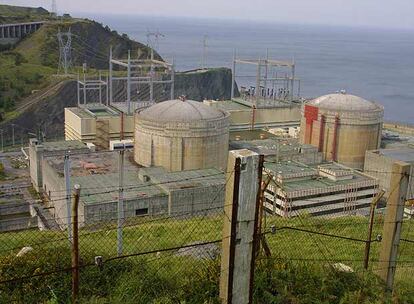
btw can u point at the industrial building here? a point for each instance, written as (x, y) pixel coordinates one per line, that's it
(378, 164)
(276, 148)
(181, 135)
(343, 127)
(37, 151)
(106, 105)
(320, 190)
(147, 191)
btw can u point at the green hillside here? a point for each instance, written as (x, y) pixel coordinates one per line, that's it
(10, 13)
(33, 63)
(297, 273)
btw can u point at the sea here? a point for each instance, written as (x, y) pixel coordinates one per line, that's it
(376, 64)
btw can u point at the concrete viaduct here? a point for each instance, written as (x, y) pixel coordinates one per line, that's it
(12, 33)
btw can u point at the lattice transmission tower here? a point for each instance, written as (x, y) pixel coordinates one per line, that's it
(153, 39)
(65, 51)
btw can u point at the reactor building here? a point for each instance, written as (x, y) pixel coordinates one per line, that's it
(181, 135)
(343, 127)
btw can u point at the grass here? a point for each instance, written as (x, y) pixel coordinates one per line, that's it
(298, 271)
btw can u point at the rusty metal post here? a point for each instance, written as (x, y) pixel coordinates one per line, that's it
(371, 225)
(75, 244)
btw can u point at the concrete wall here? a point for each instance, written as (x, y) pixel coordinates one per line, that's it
(196, 201)
(156, 205)
(353, 136)
(380, 167)
(273, 117)
(35, 164)
(180, 146)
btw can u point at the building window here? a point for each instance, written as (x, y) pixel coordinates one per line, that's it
(142, 211)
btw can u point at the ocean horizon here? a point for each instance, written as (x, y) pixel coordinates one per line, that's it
(376, 64)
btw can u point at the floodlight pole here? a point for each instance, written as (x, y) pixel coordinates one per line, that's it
(110, 76)
(129, 84)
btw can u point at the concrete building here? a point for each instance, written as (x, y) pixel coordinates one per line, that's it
(343, 127)
(320, 190)
(266, 114)
(37, 151)
(378, 164)
(276, 148)
(181, 135)
(147, 191)
(98, 124)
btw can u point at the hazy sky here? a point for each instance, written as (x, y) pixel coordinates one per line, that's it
(372, 13)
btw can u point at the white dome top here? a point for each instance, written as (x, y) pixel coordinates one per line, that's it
(182, 111)
(344, 102)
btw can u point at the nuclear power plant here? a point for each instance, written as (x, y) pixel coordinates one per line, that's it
(181, 135)
(185, 138)
(342, 126)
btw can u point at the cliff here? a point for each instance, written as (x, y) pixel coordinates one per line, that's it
(48, 113)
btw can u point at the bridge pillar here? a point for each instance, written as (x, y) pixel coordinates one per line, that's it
(2, 32)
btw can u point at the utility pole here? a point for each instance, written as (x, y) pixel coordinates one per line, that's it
(400, 175)
(120, 203)
(240, 227)
(66, 172)
(204, 58)
(65, 51)
(110, 75)
(75, 244)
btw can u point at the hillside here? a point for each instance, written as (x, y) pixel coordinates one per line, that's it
(33, 63)
(295, 274)
(11, 14)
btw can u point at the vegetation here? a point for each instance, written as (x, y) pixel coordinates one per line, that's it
(298, 272)
(12, 14)
(32, 64)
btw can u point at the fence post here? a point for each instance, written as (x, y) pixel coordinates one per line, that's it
(393, 222)
(75, 244)
(371, 225)
(239, 227)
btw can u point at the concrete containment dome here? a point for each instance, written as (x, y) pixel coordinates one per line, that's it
(342, 126)
(181, 135)
(344, 102)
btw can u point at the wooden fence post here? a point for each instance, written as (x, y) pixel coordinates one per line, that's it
(393, 222)
(241, 213)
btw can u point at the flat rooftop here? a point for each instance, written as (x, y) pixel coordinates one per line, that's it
(271, 146)
(93, 110)
(312, 181)
(103, 188)
(184, 179)
(94, 163)
(405, 154)
(63, 145)
(240, 104)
